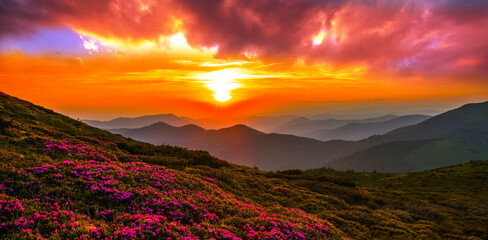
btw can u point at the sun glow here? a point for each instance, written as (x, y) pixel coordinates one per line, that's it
(222, 82)
(319, 38)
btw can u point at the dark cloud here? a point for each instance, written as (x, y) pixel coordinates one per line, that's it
(18, 18)
(462, 11)
(127, 20)
(394, 35)
(270, 28)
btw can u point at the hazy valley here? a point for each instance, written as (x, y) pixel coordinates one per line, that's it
(387, 144)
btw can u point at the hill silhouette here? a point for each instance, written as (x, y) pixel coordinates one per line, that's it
(453, 137)
(241, 144)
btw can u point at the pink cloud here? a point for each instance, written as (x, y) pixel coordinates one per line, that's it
(427, 37)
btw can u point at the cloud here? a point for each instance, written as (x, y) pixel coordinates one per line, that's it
(463, 11)
(267, 28)
(129, 20)
(401, 36)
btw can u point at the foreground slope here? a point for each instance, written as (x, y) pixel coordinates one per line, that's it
(461, 188)
(59, 182)
(61, 179)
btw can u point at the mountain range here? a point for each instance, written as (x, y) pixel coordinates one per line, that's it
(328, 129)
(453, 137)
(450, 138)
(243, 145)
(360, 130)
(303, 126)
(137, 122)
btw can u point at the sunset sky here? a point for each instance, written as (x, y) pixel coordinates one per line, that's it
(101, 59)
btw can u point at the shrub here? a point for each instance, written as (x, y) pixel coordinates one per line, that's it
(5, 124)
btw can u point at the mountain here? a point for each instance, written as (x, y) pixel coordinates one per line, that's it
(138, 122)
(357, 130)
(267, 123)
(454, 137)
(241, 144)
(407, 149)
(472, 116)
(303, 126)
(62, 179)
(154, 133)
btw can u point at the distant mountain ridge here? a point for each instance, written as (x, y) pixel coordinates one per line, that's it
(243, 145)
(267, 123)
(261, 123)
(462, 133)
(137, 122)
(303, 126)
(453, 137)
(360, 130)
(469, 116)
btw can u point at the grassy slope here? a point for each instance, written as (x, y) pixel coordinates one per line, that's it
(213, 198)
(462, 186)
(460, 190)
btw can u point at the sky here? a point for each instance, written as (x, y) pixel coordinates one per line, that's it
(231, 59)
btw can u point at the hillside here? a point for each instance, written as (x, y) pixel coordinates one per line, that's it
(357, 130)
(246, 146)
(61, 179)
(58, 181)
(463, 186)
(472, 116)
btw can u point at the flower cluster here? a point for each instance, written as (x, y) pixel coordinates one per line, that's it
(9, 206)
(78, 149)
(92, 195)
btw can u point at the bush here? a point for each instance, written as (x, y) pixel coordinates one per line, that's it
(5, 124)
(291, 172)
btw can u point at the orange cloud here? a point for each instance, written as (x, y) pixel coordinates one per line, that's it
(159, 53)
(133, 84)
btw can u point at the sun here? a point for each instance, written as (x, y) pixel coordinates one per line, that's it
(222, 82)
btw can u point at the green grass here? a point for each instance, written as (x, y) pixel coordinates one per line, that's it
(445, 152)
